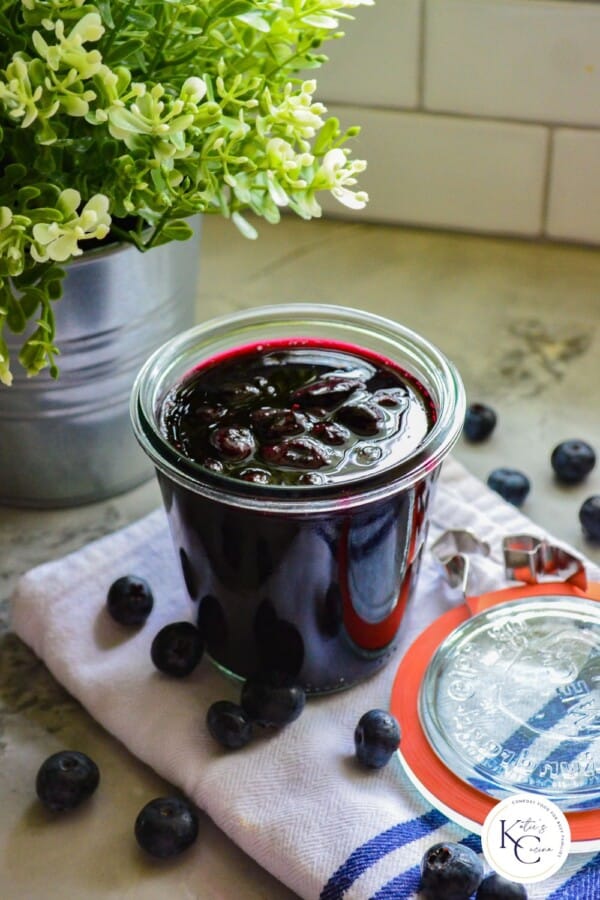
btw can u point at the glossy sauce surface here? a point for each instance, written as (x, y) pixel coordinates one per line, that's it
(297, 412)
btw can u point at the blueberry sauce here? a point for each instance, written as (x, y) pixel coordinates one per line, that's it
(315, 596)
(296, 413)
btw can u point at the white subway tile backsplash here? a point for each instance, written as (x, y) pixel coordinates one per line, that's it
(447, 172)
(377, 62)
(514, 59)
(574, 199)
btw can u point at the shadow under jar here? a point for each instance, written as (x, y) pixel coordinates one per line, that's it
(297, 448)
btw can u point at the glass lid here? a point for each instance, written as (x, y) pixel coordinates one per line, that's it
(510, 700)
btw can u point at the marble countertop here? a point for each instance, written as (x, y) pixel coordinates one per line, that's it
(519, 319)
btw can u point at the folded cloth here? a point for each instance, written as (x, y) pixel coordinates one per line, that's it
(296, 801)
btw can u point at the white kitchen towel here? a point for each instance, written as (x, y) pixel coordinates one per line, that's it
(296, 801)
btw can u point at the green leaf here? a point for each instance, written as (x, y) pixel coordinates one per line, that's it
(15, 318)
(124, 50)
(55, 288)
(106, 12)
(29, 303)
(28, 192)
(326, 136)
(178, 230)
(141, 19)
(256, 21)
(230, 8)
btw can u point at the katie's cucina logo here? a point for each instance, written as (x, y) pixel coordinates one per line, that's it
(526, 838)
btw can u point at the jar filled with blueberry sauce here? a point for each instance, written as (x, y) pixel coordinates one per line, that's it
(297, 448)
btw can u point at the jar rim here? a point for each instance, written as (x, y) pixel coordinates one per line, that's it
(184, 351)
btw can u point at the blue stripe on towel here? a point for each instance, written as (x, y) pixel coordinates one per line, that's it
(407, 883)
(374, 849)
(583, 885)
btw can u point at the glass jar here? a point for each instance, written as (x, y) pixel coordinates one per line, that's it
(308, 581)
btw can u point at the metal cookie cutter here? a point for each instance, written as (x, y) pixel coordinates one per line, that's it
(453, 550)
(534, 560)
(527, 558)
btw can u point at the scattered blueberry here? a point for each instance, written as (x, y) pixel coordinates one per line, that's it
(572, 461)
(511, 484)
(229, 724)
(450, 871)
(589, 516)
(166, 826)
(129, 600)
(495, 887)
(177, 649)
(272, 700)
(480, 421)
(66, 779)
(376, 738)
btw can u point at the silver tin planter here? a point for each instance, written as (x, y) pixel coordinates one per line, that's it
(69, 441)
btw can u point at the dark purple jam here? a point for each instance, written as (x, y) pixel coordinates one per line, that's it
(296, 413)
(315, 595)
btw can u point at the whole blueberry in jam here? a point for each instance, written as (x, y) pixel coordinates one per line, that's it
(512, 485)
(572, 461)
(450, 871)
(286, 412)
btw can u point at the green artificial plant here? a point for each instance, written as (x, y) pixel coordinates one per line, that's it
(121, 118)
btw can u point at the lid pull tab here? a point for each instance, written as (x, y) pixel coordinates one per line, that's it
(533, 560)
(452, 549)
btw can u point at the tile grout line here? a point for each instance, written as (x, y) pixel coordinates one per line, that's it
(466, 116)
(421, 56)
(547, 179)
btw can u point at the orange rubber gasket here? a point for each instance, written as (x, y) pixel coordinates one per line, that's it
(423, 762)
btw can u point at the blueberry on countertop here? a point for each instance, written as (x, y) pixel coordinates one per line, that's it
(495, 887)
(376, 738)
(572, 461)
(166, 826)
(177, 649)
(66, 779)
(512, 485)
(589, 516)
(450, 871)
(229, 724)
(272, 700)
(129, 600)
(480, 421)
